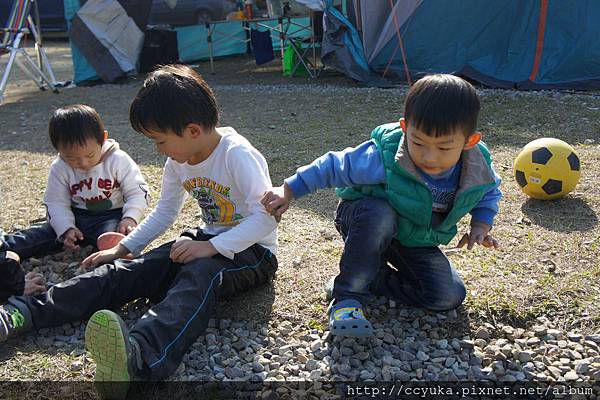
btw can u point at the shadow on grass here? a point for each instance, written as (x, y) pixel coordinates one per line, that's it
(563, 215)
(255, 305)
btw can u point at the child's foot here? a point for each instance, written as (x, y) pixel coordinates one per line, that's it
(346, 318)
(13, 321)
(107, 339)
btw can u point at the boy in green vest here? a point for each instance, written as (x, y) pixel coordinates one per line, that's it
(402, 194)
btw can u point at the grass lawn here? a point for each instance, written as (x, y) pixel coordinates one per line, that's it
(548, 263)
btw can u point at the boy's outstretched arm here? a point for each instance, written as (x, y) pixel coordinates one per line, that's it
(277, 200)
(479, 234)
(361, 165)
(170, 202)
(482, 219)
(103, 257)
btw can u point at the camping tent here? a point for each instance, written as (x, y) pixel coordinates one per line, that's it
(106, 37)
(110, 34)
(531, 44)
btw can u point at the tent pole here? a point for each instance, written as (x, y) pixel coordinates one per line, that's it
(358, 13)
(210, 29)
(539, 45)
(400, 44)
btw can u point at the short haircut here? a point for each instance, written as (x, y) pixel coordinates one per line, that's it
(439, 104)
(172, 97)
(74, 125)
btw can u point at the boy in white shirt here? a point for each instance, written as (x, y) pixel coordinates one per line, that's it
(232, 251)
(93, 187)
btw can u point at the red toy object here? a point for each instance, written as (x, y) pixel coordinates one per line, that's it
(108, 240)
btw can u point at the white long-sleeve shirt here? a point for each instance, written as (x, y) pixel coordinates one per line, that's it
(227, 186)
(115, 182)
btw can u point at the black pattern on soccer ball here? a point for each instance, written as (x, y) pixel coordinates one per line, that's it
(520, 177)
(552, 186)
(573, 161)
(541, 156)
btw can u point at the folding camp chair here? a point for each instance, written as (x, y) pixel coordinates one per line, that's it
(19, 24)
(303, 52)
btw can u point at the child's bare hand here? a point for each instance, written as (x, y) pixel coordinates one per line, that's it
(277, 200)
(34, 284)
(126, 225)
(479, 234)
(103, 257)
(70, 237)
(184, 251)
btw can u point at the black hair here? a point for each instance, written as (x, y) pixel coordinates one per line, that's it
(75, 125)
(439, 104)
(172, 97)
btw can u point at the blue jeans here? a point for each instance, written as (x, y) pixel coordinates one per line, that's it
(40, 239)
(185, 297)
(421, 276)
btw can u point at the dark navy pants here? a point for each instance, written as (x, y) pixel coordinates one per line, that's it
(185, 297)
(12, 277)
(418, 276)
(41, 240)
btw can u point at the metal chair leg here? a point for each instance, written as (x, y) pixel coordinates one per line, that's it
(5, 75)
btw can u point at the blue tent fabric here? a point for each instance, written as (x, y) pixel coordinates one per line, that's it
(571, 50)
(496, 39)
(342, 49)
(505, 43)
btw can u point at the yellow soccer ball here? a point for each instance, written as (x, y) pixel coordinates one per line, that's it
(547, 169)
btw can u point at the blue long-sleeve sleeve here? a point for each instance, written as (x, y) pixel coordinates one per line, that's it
(361, 165)
(487, 208)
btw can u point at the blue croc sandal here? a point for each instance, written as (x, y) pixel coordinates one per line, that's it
(346, 318)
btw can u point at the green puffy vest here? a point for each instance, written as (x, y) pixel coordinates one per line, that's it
(408, 194)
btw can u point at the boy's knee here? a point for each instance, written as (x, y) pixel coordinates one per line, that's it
(378, 215)
(448, 299)
(201, 269)
(358, 281)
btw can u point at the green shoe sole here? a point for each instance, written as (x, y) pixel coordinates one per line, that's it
(105, 336)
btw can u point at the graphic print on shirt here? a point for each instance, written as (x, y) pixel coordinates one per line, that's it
(98, 199)
(213, 199)
(443, 198)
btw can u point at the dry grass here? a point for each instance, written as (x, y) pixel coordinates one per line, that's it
(548, 264)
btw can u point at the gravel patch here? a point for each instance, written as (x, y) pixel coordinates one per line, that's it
(408, 344)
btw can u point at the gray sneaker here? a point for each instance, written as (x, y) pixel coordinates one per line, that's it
(116, 354)
(13, 321)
